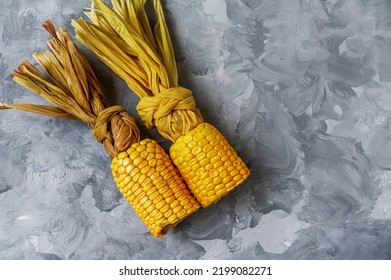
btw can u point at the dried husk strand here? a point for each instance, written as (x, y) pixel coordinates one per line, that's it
(122, 37)
(39, 109)
(142, 171)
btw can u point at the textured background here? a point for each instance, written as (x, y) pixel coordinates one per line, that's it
(300, 88)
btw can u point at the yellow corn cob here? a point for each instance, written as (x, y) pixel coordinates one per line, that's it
(208, 164)
(151, 184)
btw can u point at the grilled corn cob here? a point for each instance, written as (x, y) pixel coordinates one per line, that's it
(123, 39)
(142, 171)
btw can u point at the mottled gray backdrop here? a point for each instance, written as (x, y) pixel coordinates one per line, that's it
(300, 88)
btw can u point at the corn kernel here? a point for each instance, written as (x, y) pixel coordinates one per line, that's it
(161, 204)
(227, 179)
(121, 170)
(168, 213)
(192, 144)
(243, 172)
(144, 154)
(158, 156)
(209, 167)
(186, 139)
(198, 137)
(146, 169)
(185, 151)
(158, 215)
(122, 155)
(127, 180)
(142, 178)
(177, 209)
(134, 154)
(231, 168)
(162, 185)
(217, 163)
(220, 192)
(200, 157)
(165, 207)
(217, 181)
(211, 137)
(208, 148)
(210, 187)
(157, 199)
(203, 142)
(169, 198)
(205, 161)
(126, 161)
(152, 163)
(230, 185)
(200, 170)
(189, 157)
(174, 203)
(143, 164)
(160, 167)
(203, 175)
(150, 156)
(211, 154)
(182, 213)
(141, 148)
(137, 161)
(172, 218)
(238, 177)
(196, 167)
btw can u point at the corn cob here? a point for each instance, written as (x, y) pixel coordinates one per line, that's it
(149, 181)
(123, 39)
(210, 166)
(142, 171)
